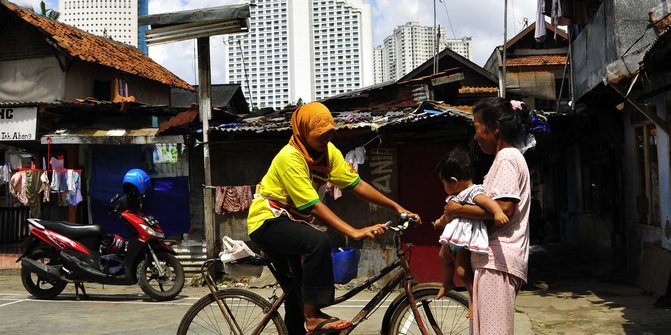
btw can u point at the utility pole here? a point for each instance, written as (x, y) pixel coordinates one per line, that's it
(205, 106)
(435, 41)
(505, 38)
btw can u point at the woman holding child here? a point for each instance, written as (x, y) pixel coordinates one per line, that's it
(500, 273)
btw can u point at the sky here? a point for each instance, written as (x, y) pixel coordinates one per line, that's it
(480, 19)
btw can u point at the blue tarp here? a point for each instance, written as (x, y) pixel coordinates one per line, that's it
(168, 202)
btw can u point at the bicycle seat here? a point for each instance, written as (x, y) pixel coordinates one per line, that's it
(253, 260)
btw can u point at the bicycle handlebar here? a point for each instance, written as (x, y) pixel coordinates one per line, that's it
(405, 221)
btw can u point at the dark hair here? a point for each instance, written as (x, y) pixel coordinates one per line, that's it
(457, 163)
(513, 122)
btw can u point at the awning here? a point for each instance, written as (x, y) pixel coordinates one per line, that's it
(114, 136)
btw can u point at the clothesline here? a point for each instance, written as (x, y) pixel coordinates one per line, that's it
(51, 170)
(373, 139)
(215, 187)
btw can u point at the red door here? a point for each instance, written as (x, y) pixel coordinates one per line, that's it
(421, 191)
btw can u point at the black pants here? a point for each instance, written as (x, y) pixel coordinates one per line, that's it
(286, 241)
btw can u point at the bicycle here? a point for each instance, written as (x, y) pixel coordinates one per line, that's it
(414, 311)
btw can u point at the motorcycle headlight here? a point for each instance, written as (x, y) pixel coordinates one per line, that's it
(152, 232)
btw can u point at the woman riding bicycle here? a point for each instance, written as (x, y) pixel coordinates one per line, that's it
(280, 216)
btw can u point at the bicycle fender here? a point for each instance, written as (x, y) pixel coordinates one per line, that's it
(386, 320)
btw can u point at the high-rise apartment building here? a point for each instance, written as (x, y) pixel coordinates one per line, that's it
(116, 19)
(409, 47)
(461, 46)
(378, 54)
(308, 50)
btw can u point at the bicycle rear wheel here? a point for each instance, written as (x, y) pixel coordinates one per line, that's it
(246, 307)
(448, 312)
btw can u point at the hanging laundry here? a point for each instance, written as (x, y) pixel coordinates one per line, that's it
(230, 199)
(55, 181)
(540, 32)
(71, 181)
(5, 173)
(333, 190)
(355, 157)
(46, 187)
(63, 181)
(16, 186)
(74, 194)
(32, 192)
(56, 163)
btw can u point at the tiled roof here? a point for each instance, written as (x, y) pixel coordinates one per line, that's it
(536, 60)
(91, 48)
(476, 90)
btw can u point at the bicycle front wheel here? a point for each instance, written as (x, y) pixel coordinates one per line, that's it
(448, 313)
(247, 309)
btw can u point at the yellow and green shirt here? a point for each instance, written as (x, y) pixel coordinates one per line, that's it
(289, 181)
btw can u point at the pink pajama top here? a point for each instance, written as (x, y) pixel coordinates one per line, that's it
(508, 177)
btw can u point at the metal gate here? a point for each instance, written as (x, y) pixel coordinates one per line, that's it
(13, 225)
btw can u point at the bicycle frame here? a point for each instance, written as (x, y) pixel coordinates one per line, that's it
(403, 278)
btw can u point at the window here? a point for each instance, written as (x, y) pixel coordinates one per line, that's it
(647, 172)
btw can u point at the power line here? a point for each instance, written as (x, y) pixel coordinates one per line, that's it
(512, 7)
(244, 68)
(195, 79)
(448, 18)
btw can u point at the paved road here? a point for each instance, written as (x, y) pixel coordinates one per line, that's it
(120, 310)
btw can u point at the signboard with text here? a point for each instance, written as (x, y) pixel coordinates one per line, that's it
(18, 124)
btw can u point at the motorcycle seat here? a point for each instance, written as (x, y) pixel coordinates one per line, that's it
(72, 230)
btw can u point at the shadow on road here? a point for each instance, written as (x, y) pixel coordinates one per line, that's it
(586, 297)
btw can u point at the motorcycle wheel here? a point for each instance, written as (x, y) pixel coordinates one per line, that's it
(161, 288)
(39, 287)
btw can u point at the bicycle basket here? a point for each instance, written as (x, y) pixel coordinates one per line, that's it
(345, 264)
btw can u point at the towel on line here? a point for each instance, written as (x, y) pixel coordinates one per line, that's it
(230, 199)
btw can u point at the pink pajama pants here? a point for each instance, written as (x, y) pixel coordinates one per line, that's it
(493, 299)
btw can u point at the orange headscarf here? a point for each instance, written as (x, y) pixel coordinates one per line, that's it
(311, 120)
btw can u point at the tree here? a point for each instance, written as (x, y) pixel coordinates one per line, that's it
(48, 13)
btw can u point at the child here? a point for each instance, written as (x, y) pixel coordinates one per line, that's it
(462, 236)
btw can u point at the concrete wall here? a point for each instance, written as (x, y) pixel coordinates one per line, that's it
(593, 49)
(641, 235)
(28, 68)
(613, 29)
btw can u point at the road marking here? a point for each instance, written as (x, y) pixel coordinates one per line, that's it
(13, 302)
(110, 302)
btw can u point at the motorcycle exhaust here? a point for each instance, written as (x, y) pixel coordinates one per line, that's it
(51, 273)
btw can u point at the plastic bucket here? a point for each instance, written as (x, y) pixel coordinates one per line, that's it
(345, 264)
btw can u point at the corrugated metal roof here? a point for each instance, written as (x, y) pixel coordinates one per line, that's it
(354, 120)
(109, 136)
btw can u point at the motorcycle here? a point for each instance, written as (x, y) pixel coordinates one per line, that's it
(59, 252)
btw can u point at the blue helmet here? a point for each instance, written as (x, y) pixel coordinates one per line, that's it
(137, 179)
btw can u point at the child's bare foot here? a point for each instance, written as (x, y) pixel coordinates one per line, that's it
(443, 291)
(469, 315)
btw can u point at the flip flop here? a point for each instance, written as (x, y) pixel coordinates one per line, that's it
(318, 330)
